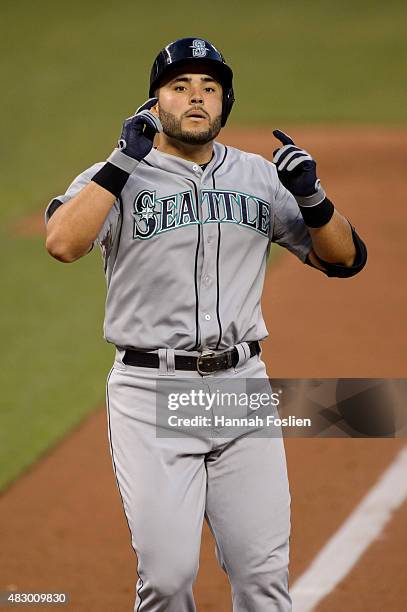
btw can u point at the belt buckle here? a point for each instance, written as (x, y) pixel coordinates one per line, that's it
(201, 361)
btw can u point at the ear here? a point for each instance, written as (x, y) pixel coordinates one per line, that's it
(157, 95)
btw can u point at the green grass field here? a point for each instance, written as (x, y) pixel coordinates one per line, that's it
(71, 72)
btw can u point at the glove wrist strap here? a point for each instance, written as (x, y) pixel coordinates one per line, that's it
(123, 161)
(314, 199)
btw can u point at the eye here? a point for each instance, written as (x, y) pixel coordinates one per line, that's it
(209, 88)
(179, 88)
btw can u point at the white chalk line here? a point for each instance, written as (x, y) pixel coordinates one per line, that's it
(342, 551)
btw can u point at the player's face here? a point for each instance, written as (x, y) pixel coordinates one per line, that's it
(190, 107)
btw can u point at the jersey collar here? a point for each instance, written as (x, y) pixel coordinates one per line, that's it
(184, 167)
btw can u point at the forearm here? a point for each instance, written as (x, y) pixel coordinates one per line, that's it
(333, 241)
(74, 226)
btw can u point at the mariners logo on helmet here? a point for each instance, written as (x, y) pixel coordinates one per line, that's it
(198, 48)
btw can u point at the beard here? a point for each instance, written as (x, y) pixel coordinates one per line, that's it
(172, 128)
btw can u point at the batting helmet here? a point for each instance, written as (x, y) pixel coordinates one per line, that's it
(199, 51)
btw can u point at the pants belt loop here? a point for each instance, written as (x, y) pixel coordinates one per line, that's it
(244, 352)
(162, 358)
(166, 358)
(170, 362)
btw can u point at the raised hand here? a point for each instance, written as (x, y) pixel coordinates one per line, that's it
(295, 167)
(138, 131)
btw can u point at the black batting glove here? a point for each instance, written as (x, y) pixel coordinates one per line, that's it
(138, 131)
(137, 137)
(297, 171)
(136, 141)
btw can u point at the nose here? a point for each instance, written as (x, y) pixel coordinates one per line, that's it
(196, 97)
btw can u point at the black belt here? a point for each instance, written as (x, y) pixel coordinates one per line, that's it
(206, 363)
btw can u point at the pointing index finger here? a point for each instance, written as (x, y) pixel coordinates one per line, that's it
(283, 137)
(148, 105)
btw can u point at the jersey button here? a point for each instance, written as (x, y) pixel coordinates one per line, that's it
(207, 317)
(195, 168)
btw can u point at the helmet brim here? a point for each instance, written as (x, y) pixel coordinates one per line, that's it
(220, 72)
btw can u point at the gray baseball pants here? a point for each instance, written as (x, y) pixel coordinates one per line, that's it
(168, 485)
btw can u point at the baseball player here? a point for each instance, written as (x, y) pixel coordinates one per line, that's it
(185, 226)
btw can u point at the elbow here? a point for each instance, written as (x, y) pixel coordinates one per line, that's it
(350, 266)
(60, 251)
(351, 256)
(348, 263)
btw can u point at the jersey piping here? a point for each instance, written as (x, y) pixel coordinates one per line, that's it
(217, 255)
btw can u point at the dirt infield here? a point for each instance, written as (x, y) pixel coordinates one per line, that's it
(62, 524)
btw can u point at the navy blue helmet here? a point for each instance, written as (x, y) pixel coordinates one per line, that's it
(199, 51)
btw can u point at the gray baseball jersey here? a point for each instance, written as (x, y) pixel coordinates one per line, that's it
(185, 249)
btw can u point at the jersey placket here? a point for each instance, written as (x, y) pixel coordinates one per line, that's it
(208, 281)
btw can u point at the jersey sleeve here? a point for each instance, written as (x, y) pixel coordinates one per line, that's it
(106, 235)
(288, 228)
